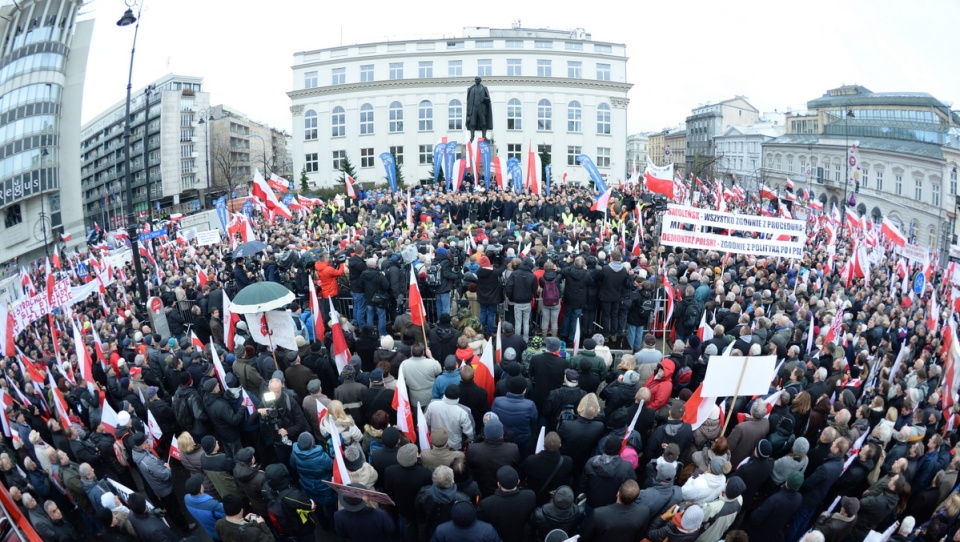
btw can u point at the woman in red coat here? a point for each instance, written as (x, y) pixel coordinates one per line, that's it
(660, 384)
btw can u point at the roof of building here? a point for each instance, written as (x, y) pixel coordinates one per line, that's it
(925, 150)
(858, 95)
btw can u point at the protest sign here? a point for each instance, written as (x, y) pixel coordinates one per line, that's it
(276, 329)
(914, 253)
(208, 237)
(738, 375)
(690, 227)
(368, 494)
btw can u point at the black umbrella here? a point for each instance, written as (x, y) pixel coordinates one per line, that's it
(249, 249)
(311, 257)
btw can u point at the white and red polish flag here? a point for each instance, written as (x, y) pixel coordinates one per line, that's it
(401, 403)
(263, 191)
(340, 473)
(484, 373)
(341, 355)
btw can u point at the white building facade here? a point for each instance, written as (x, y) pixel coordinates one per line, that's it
(560, 92)
(42, 68)
(739, 150)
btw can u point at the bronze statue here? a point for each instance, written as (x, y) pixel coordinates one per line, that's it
(479, 109)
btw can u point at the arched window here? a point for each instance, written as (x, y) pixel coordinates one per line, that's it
(366, 119)
(425, 115)
(574, 117)
(455, 115)
(514, 115)
(603, 119)
(396, 118)
(338, 122)
(544, 116)
(310, 125)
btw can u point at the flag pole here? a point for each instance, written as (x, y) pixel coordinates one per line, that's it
(743, 369)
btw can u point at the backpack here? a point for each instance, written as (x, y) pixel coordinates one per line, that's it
(782, 437)
(285, 521)
(551, 293)
(691, 316)
(568, 412)
(434, 275)
(120, 452)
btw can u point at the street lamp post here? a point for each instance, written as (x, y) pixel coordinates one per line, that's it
(146, 154)
(264, 141)
(206, 138)
(846, 158)
(127, 20)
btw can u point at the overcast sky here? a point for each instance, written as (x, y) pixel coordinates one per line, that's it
(681, 53)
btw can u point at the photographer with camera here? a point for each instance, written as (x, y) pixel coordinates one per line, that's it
(283, 419)
(240, 274)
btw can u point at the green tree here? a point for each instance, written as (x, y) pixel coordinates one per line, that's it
(346, 168)
(303, 180)
(401, 182)
(433, 172)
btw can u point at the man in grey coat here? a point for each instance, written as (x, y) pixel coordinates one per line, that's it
(159, 477)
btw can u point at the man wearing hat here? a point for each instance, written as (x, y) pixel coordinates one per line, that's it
(604, 473)
(509, 339)
(756, 472)
(547, 371)
(587, 353)
(517, 413)
(448, 413)
(298, 375)
(163, 414)
(464, 525)
(509, 507)
(385, 457)
(377, 397)
(840, 524)
(237, 527)
(486, 457)
(439, 453)
(402, 482)
(226, 419)
(450, 375)
(303, 512)
(769, 519)
(250, 480)
(448, 275)
(204, 508)
(357, 520)
(218, 467)
(721, 513)
(561, 404)
(443, 338)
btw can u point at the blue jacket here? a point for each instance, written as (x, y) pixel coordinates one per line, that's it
(206, 510)
(443, 380)
(928, 466)
(516, 413)
(480, 531)
(307, 318)
(817, 485)
(314, 466)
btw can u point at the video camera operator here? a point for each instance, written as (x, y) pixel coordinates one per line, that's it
(282, 419)
(241, 276)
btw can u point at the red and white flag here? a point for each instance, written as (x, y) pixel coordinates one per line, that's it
(348, 180)
(83, 357)
(153, 429)
(892, 232)
(418, 316)
(576, 337)
(319, 328)
(174, 449)
(484, 373)
(340, 473)
(108, 417)
(278, 183)
(201, 276)
(499, 350)
(705, 332)
(602, 202)
(401, 403)
(341, 355)
(247, 402)
(321, 413)
(670, 297)
(697, 409)
(532, 170)
(218, 367)
(766, 192)
(263, 191)
(630, 428)
(637, 243)
(7, 401)
(659, 180)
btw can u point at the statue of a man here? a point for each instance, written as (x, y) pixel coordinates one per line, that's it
(479, 109)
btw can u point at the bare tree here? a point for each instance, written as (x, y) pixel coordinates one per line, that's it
(229, 167)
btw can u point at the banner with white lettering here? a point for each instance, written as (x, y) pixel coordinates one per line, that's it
(914, 253)
(690, 227)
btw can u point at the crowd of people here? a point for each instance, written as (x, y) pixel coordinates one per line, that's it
(587, 431)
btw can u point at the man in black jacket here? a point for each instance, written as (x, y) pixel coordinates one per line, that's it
(521, 287)
(225, 420)
(448, 277)
(376, 290)
(576, 281)
(623, 520)
(614, 281)
(489, 293)
(356, 266)
(443, 339)
(548, 470)
(510, 507)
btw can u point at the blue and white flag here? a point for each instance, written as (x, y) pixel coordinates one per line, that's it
(485, 159)
(390, 165)
(247, 208)
(220, 204)
(438, 151)
(449, 160)
(591, 168)
(516, 174)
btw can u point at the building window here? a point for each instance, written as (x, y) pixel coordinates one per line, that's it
(918, 189)
(545, 149)
(310, 125)
(514, 150)
(338, 122)
(544, 68)
(396, 117)
(544, 116)
(598, 48)
(426, 69)
(574, 69)
(366, 119)
(541, 44)
(485, 44)
(514, 67)
(338, 158)
(603, 157)
(484, 67)
(339, 76)
(454, 45)
(574, 117)
(880, 180)
(514, 44)
(455, 115)
(366, 73)
(514, 114)
(396, 71)
(897, 184)
(366, 157)
(865, 178)
(311, 162)
(426, 154)
(13, 215)
(603, 119)
(790, 164)
(455, 68)
(397, 153)
(603, 72)
(425, 116)
(953, 182)
(311, 79)
(935, 187)
(836, 170)
(572, 153)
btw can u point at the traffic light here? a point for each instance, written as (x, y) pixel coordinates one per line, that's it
(857, 187)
